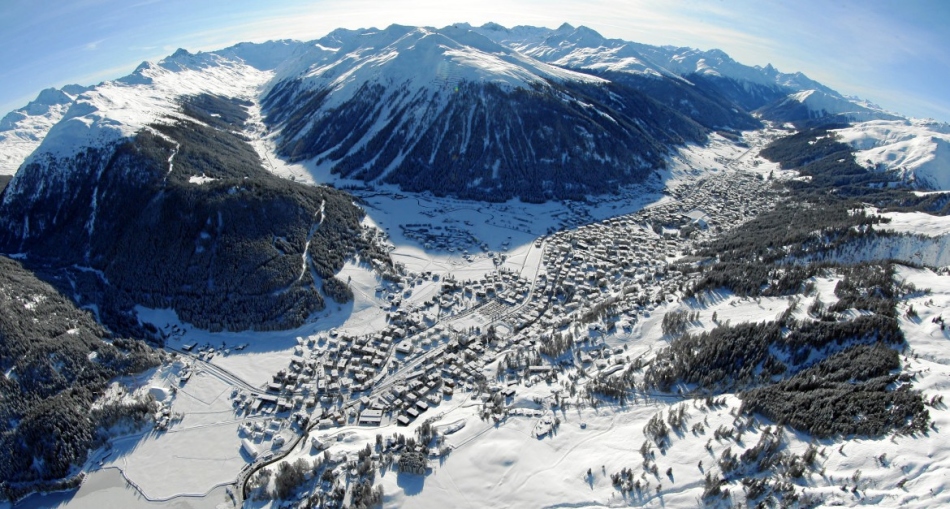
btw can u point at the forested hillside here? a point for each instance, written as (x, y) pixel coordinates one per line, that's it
(481, 141)
(183, 216)
(56, 360)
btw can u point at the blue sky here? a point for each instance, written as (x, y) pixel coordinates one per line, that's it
(893, 52)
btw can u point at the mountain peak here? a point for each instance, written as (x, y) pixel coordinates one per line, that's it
(51, 96)
(491, 25)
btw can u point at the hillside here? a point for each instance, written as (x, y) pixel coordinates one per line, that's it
(480, 122)
(917, 151)
(183, 216)
(56, 360)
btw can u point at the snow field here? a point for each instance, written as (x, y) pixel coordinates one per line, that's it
(194, 455)
(915, 223)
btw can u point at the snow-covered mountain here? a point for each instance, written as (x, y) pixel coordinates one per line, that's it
(583, 48)
(22, 130)
(451, 111)
(781, 96)
(409, 105)
(147, 192)
(918, 150)
(816, 105)
(486, 113)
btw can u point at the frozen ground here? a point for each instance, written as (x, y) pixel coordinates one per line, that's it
(192, 456)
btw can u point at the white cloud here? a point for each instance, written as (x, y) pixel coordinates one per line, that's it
(92, 46)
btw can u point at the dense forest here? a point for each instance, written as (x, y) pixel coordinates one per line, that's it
(184, 216)
(56, 361)
(697, 100)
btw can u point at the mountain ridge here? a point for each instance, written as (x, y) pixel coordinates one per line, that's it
(282, 59)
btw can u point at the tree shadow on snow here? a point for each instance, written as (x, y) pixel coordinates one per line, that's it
(411, 484)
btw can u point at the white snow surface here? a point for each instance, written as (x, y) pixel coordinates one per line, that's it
(416, 57)
(917, 223)
(832, 104)
(918, 150)
(587, 49)
(22, 130)
(118, 109)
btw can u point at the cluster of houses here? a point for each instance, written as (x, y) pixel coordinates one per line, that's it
(596, 279)
(627, 259)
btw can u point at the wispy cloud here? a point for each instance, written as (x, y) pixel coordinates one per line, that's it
(92, 46)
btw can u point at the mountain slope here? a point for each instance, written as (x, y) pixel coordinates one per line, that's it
(918, 151)
(182, 215)
(584, 48)
(452, 112)
(808, 106)
(55, 358)
(22, 130)
(782, 96)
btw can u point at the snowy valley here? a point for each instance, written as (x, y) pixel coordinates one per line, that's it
(483, 267)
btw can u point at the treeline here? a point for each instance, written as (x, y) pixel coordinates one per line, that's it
(759, 258)
(56, 362)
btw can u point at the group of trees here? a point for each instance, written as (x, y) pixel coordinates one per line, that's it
(57, 363)
(675, 322)
(845, 394)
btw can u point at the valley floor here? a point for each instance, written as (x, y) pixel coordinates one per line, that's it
(552, 446)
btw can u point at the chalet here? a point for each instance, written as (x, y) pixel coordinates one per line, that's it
(264, 400)
(248, 448)
(371, 417)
